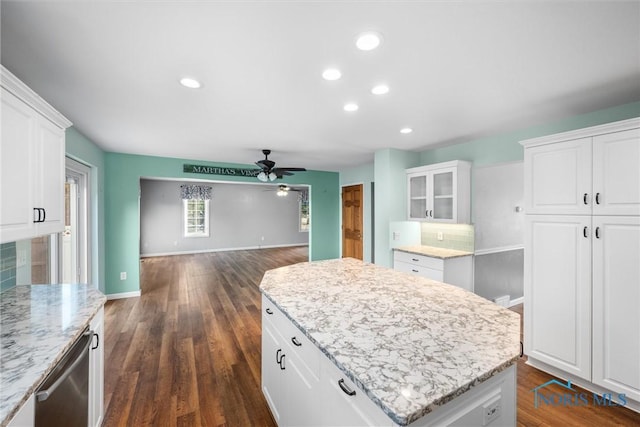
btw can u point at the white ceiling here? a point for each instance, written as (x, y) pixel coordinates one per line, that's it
(457, 71)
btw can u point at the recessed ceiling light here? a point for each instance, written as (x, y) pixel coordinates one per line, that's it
(368, 41)
(406, 130)
(380, 89)
(331, 74)
(351, 107)
(190, 83)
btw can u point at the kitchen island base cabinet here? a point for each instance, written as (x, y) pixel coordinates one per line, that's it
(303, 387)
(96, 371)
(26, 415)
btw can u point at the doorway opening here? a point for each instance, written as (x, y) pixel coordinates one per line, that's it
(73, 243)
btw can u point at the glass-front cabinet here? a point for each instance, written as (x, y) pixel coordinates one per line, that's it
(440, 192)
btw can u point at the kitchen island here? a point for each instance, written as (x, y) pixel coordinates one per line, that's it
(38, 324)
(413, 350)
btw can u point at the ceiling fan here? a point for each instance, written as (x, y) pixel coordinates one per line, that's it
(270, 172)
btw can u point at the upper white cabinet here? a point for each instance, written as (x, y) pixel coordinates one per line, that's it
(32, 170)
(574, 174)
(440, 192)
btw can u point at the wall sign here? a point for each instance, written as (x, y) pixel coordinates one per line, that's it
(216, 170)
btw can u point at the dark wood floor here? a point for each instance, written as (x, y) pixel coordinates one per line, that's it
(187, 352)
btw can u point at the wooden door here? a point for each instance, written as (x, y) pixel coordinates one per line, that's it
(352, 221)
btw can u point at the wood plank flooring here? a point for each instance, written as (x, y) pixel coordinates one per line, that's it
(187, 352)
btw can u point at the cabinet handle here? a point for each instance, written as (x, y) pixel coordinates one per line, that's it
(40, 215)
(282, 363)
(431, 213)
(346, 389)
(44, 215)
(278, 356)
(97, 341)
(414, 270)
(415, 259)
(268, 310)
(597, 232)
(597, 198)
(584, 231)
(584, 198)
(296, 342)
(426, 213)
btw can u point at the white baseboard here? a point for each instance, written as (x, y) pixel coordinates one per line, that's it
(204, 251)
(123, 295)
(516, 301)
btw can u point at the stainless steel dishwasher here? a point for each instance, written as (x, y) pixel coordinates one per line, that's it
(62, 399)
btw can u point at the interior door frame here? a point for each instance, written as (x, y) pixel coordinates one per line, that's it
(362, 216)
(82, 173)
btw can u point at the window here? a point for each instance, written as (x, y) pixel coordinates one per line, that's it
(196, 218)
(303, 204)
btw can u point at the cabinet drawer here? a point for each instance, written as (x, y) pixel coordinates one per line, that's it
(419, 260)
(428, 273)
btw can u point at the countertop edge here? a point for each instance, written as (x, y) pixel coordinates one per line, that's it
(10, 414)
(403, 421)
(432, 255)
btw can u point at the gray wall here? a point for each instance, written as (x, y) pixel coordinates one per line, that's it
(241, 216)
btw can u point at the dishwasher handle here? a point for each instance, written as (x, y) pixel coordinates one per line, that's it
(43, 395)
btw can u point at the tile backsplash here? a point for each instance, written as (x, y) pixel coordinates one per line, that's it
(7, 266)
(454, 236)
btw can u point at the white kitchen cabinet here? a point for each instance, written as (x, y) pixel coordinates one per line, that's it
(96, 371)
(290, 370)
(32, 167)
(439, 192)
(557, 323)
(616, 296)
(454, 270)
(582, 246)
(26, 416)
(586, 175)
(349, 405)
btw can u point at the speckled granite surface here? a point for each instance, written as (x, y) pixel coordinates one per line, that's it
(38, 324)
(432, 251)
(411, 344)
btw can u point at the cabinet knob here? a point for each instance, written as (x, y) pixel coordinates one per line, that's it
(346, 389)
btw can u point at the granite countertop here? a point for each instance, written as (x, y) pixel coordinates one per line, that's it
(38, 324)
(433, 251)
(410, 343)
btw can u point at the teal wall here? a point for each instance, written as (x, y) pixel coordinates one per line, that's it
(362, 175)
(390, 200)
(80, 148)
(122, 187)
(506, 148)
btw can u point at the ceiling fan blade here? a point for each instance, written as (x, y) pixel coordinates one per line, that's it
(294, 169)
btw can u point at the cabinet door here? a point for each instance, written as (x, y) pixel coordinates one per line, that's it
(51, 175)
(557, 178)
(442, 195)
(417, 186)
(17, 169)
(616, 173)
(271, 370)
(557, 292)
(616, 297)
(96, 371)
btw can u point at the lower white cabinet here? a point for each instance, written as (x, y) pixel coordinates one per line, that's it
(26, 416)
(557, 278)
(616, 296)
(454, 271)
(96, 371)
